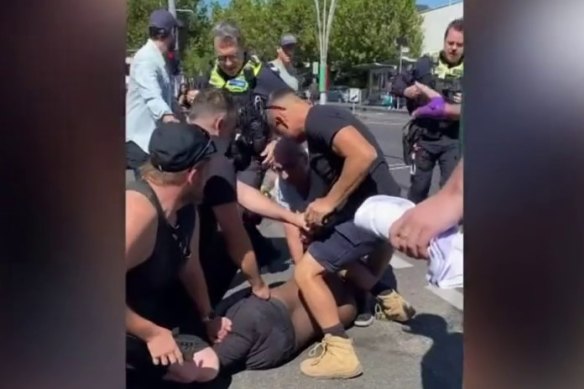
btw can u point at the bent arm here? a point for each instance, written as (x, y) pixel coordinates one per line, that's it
(358, 156)
(253, 200)
(141, 226)
(145, 74)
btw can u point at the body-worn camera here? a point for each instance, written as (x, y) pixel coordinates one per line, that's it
(253, 132)
(448, 87)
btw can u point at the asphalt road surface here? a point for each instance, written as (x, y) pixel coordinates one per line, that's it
(424, 355)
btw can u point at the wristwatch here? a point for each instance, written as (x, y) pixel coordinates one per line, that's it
(210, 317)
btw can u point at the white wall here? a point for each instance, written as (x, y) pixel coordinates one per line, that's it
(435, 23)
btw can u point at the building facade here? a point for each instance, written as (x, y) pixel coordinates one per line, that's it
(434, 25)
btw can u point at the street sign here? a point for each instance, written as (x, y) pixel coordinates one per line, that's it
(354, 95)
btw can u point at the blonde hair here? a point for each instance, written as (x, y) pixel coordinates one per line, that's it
(150, 173)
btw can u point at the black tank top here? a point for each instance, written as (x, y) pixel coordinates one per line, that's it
(147, 284)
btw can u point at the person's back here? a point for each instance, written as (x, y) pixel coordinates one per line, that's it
(266, 334)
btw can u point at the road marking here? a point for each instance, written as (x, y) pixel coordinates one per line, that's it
(400, 167)
(451, 296)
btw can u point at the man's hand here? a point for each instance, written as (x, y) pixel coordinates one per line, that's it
(299, 221)
(412, 92)
(457, 98)
(425, 90)
(268, 154)
(169, 118)
(412, 233)
(218, 328)
(317, 211)
(163, 348)
(261, 291)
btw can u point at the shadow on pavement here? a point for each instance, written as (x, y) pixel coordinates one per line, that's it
(442, 364)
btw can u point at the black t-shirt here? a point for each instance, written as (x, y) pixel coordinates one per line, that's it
(220, 188)
(322, 125)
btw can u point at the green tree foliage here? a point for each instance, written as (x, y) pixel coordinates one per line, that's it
(193, 43)
(363, 31)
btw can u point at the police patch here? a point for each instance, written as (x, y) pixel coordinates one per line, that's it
(236, 83)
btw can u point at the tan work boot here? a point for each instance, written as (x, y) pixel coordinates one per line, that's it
(337, 359)
(393, 307)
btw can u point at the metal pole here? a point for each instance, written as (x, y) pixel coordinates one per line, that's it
(172, 10)
(324, 24)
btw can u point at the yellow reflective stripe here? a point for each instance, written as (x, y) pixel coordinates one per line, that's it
(443, 71)
(219, 82)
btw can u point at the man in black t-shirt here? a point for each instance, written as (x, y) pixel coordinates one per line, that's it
(225, 244)
(351, 167)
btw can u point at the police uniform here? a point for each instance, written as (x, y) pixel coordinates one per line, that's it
(253, 80)
(430, 141)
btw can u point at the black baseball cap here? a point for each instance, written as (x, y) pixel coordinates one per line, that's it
(176, 147)
(161, 18)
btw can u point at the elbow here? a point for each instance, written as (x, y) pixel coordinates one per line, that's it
(369, 156)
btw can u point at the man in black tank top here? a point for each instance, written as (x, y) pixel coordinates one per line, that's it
(161, 252)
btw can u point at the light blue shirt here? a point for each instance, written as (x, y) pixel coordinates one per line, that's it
(150, 94)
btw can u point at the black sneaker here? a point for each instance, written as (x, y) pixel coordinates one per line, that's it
(364, 319)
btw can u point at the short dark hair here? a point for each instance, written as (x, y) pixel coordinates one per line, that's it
(279, 93)
(456, 25)
(212, 101)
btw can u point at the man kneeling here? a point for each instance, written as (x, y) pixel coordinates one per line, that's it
(266, 334)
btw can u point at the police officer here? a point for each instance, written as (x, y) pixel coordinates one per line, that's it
(433, 140)
(247, 79)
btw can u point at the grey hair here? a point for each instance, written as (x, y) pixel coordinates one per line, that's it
(228, 31)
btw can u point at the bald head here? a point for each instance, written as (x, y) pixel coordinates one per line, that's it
(287, 113)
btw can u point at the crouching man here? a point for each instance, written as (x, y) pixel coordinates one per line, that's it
(161, 253)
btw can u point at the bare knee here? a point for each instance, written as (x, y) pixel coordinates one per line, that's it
(203, 368)
(307, 269)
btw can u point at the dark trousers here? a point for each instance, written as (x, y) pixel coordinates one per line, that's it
(135, 157)
(445, 152)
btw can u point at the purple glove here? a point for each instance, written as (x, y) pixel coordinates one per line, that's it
(435, 109)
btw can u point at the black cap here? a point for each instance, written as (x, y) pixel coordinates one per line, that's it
(175, 147)
(161, 18)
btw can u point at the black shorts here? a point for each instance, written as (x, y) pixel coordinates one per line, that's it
(345, 244)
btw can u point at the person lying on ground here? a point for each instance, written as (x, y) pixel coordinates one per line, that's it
(267, 334)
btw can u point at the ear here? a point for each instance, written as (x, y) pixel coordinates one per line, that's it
(219, 123)
(191, 175)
